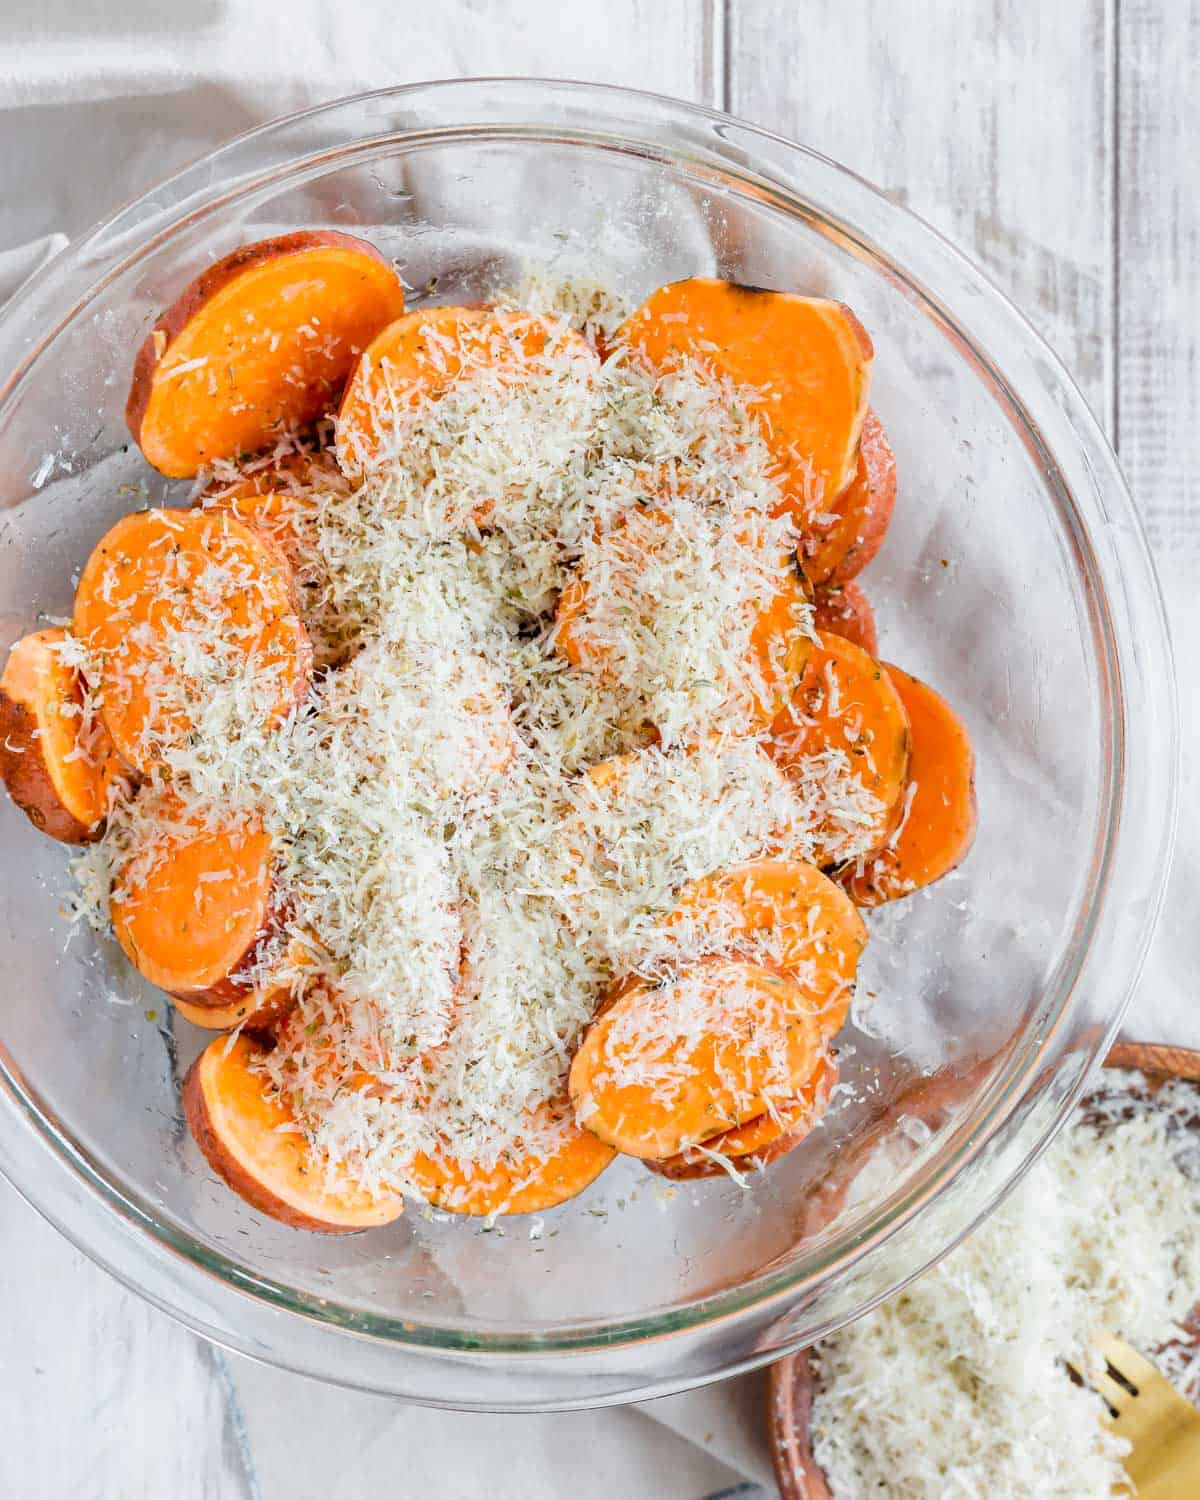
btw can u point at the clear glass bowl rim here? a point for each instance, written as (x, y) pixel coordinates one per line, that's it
(1112, 554)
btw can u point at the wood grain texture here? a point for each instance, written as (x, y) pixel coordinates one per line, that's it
(1158, 264)
(102, 1397)
(991, 120)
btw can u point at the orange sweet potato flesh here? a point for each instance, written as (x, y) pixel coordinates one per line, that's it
(845, 701)
(762, 1140)
(259, 342)
(160, 576)
(843, 609)
(418, 358)
(809, 357)
(788, 916)
(278, 517)
(669, 1065)
(243, 1132)
(259, 1008)
(779, 647)
(938, 822)
(834, 552)
(56, 757)
(521, 1181)
(193, 904)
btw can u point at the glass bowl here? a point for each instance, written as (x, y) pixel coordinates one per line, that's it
(1016, 578)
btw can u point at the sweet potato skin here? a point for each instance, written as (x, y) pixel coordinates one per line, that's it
(198, 294)
(863, 509)
(213, 1071)
(24, 750)
(769, 1140)
(937, 833)
(28, 780)
(843, 609)
(255, 1010)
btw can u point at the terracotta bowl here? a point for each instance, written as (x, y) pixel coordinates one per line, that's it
(791, 1385)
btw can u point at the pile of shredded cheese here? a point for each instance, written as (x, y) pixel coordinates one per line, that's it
(960, 1385)
(444, 864)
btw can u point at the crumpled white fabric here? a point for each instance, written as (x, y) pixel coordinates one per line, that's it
(97, 103)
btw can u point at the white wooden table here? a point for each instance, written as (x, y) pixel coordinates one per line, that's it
(1054, 142)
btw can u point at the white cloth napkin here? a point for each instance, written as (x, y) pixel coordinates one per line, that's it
(96, 103)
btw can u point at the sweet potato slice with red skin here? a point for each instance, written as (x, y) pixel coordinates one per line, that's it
(242, 1129)
(669, 1065)
(141, 586)
(261, 340)
(419, 357)
(843, 609)
(810, 359)
(200, 907)
(298, 474)
(520, 1182)
(837, 551)
(786, 915)
(259, 1008)
(846, 701)
(762, 1140)
(937, 826)
(276, 501)
(56, 758)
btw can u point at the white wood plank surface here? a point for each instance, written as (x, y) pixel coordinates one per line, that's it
(1158, 256)
(992, 119)
(101, 1396)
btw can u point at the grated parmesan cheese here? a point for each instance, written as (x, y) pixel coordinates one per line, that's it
(959, 1386)
(454, 894)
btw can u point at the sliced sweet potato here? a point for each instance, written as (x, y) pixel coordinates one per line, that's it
(846, 703)
(937, 823)
(56, 757)
(297, 473)
(192, 905)
(261, 340)
(418, 357)
(843, 609)
(785, 915)
(762, 1140)
(807, 358)
(259, 1008)
(251, 1139)
(283, 519)
(669, 1065)
(839, 548)
(778, 647)
(278, 500)
(523, 1180)
(162, 593)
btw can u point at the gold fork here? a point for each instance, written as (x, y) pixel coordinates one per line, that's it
(1149, 1412)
